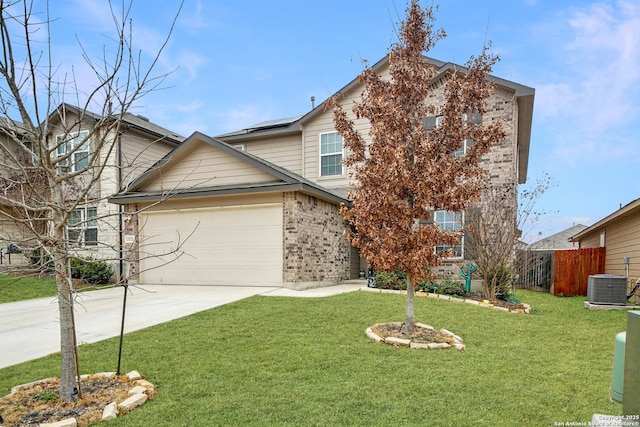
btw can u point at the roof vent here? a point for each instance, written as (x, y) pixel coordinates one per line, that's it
(146, 119)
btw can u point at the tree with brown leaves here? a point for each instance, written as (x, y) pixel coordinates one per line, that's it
(402, 172)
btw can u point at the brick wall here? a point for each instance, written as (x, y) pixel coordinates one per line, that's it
(315, 251)
(501, 160)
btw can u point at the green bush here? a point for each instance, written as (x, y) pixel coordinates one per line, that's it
(443, 287)
(42, 261)
(428, 286)
(451, 287)
(504, 280)
(92, 272)
(395, 280)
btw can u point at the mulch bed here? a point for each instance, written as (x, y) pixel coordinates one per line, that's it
(420, 335)
(40, 404)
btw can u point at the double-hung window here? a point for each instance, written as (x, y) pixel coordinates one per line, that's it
(74, 151)
(83, 227)
(330, 154)
(449, 221)
(431, 122)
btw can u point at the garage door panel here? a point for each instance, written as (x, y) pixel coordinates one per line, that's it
(219, 246)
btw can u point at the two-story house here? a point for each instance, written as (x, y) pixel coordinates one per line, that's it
(260, 206)
(94, 224)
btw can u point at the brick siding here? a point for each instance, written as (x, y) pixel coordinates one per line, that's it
(315, 250)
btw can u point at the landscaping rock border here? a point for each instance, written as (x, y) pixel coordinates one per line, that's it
(138, 395)
(487, 304)
(458, 342)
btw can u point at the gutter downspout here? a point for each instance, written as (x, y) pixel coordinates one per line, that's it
(303, 168)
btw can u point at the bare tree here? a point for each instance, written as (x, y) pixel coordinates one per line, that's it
(495, 226)
(492, 236)
(53, 154)
(405, 171)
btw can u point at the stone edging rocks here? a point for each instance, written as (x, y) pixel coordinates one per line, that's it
(137, 396)
(458, 343)
(525, 310)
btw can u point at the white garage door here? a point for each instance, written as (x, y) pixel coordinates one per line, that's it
(239, 246)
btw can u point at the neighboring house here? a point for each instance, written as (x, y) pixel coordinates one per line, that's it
(260, 206)
(138, 146)
(558, 241)
(619, 233)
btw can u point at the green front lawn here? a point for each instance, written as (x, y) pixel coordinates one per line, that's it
(295, 361)
(18, 288)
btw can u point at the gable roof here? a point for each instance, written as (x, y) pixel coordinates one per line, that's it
(523, 94)
(285, 180)
(629, 209)
(129, 121)
(560, 240)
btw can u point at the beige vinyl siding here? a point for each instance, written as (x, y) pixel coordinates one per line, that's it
(282, 151)
(591, 241)
(11, 232)
(623, 240)
(139, 154)
(206, 166)
(323, 123)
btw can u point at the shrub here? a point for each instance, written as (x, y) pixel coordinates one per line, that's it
(42, 261)
(394, 280)
(428, 286)
(444, 287)
(451, 287)
(92, 272)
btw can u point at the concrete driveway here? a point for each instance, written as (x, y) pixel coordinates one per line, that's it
(30, 329)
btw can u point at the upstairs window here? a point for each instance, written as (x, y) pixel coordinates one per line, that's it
(330, 154)
(449, 221)
(83, 227)
(75, 149)
(431, 122)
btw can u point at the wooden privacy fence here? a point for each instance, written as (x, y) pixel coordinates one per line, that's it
(573, 268)
(566, 271)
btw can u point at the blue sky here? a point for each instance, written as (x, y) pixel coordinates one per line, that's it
(239, 62)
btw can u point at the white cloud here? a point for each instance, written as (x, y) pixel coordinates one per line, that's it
(191, 62)
(598, 67)
(589, 90)
(240, 118)
(192, 107)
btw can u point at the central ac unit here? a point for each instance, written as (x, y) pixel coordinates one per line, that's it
(607, 289)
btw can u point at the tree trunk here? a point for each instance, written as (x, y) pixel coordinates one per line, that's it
(410, 306)
(67, 329)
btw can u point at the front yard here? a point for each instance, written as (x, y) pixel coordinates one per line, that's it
(18, 288)
(295, 361)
